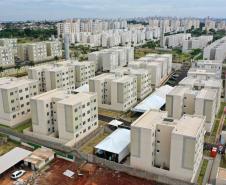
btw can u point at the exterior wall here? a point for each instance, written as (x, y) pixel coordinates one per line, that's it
(15, 101)
(6, 56)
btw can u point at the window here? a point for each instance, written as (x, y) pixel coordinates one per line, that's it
(158, 130)
(158, 141)
(11, 93)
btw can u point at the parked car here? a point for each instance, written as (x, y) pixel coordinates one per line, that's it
(17, 174)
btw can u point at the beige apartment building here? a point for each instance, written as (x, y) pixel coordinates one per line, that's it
(166, 146)
(40, 51)
(143, 80)
(198, 84)
(15, 97)
(68, 117)
(114, 91)
(10, 43)
(6, 56)
(83, 71)
(52, 76)
(183, 100)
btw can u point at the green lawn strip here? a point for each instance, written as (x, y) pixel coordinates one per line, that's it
(202, 171)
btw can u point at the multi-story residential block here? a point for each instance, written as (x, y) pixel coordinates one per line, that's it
(176, 40)
(209, 65)
(69, 117)
(210, 24)
(204, 73)
(6, 56)
(52, 76)
(198, 84)
(173, 147)
(68, 27)
(40, 51)
(110, 59)
(143, 80)
(216, 50)
(183, 100)
(9, 43)
(196, 42)
(115, 92)
(83, 71)
(15, 97)
(54, 49)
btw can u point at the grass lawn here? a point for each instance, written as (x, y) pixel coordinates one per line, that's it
(203, 171)
(88, 147)
(23, 126)
(221, 110)
(223, 162)
(7, 147)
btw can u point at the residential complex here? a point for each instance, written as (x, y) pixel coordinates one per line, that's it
(176, 40)
(159, 66)
(110, 59)
(15, 97)
(6, 56)
(185, 100)
(196, 42)
(166, 146)
(115, 91)
(40, 51)
(66, 74)
(9, 43)
(68, 117)
(215, 51)
(143, 80)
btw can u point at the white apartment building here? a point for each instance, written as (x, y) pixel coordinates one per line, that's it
(10, 43)
(158, 65)
(40, 51)
(176, 40)
(143, 80)
(110, 59)
(15, 97)
(68, 117)
(196, 42)
(204, 73)
(165, 146)
(83, 71)
(216, 50)
(209, 65)
(115, 92)
(52, 76)
(198, 84)
(6, 56)
(68, 27)
(210, 24)
(54, 49)
(183, 100)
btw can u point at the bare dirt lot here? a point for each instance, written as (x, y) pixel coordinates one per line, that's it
(94, 176)
(6, 180)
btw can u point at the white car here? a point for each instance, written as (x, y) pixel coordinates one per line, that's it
(17, 174)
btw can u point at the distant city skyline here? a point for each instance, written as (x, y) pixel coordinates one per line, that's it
(21, 10)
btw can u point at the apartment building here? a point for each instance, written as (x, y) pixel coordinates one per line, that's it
(165, 146)
(198, 84)
(196, 42)
(159, 67)
(110, 59)
(68, 27)
(114, 91)
(15, 97)
(176, 40)
(83, 71)
(52, 76)
(216, 50)
(143, 80)
(9, 43)
(210, 24)
(184, 100)
(203, 73)
(68, 117)
(209, 65)
(54, 49)
(40, 51)
(6, 56)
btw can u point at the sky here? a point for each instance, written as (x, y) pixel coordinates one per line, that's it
(16, 10)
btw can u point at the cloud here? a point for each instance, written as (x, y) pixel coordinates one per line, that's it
(60, 9)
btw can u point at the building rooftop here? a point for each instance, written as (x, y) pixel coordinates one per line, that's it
(188, 125)
(8, 83)
(179, 91)
(149, 119)
(209, 94)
